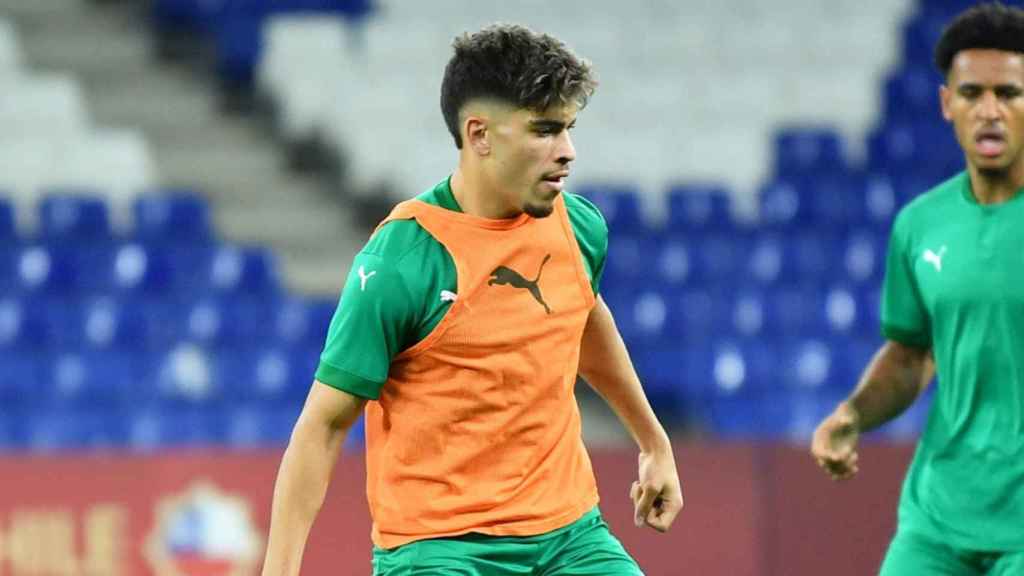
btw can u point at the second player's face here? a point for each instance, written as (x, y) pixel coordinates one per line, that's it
(532, 153)
(984, 99)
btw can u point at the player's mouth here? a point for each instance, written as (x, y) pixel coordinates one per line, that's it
(556, 180)
(990, 142)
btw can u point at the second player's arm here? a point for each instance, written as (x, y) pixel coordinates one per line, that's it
(606, 367)
(893, 379)
(305, 473)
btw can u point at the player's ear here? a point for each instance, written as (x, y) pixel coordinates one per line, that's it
(475, 134)
(945, 96)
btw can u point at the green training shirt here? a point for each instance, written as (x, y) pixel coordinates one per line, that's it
(954, 282)
(393, 297)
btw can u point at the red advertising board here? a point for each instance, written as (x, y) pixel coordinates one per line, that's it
(750, 510)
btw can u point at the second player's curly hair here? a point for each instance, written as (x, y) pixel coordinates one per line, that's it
(515, 65)
(991, 25)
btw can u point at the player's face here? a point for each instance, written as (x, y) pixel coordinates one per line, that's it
(984, 99)
(532, 151)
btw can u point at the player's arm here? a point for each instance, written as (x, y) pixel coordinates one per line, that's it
(606, 367)
(305, 473)
(893, 379)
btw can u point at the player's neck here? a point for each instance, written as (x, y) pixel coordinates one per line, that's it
(478, 197)
(996, 188)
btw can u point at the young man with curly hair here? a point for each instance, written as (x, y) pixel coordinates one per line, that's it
(461, 330)
(953, 304)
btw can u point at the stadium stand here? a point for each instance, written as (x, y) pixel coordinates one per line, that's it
(750, 303)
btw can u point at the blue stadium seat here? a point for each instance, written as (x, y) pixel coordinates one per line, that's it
(912, 94)
(261, 427)
(303, 320)
(844, 312)
(832, 200)
(695, 314)
(225, 270)
(721, 256)
(675, 261)
(921, 33)
(800, 151)
(128, 268)
(182, 377)
(781, 206)
(620, 205)
(628, 262)
(97, 380)
(699, 206)
(12, 433)
(269, 376)
(864, 257)
(74, 217)
(879, 202)
(8, 230)
(19, 378)
(59, 429)
(749, 313)
(811, 364)
(172, 217)
(795, 311)
(642, 315)
(927, 149)
(23, 324)
(151, 430)
(43, 270)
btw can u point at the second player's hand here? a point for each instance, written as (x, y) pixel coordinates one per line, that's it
(834, 445)
(657, 496)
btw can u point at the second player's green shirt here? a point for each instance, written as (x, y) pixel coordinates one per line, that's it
(394, 294)
(955, 282)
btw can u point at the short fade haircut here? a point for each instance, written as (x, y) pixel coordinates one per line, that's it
(514, 65)
(991, 25)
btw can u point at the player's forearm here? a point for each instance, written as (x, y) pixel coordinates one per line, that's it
(890, 384)
(605, 365)
(299, 493)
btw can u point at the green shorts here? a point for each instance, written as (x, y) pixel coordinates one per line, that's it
(584, 548)
(915, 554)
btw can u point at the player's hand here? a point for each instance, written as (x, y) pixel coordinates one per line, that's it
(657, 496)
(834, 445)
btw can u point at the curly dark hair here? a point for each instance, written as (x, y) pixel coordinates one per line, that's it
(991, 25)
(515, 65)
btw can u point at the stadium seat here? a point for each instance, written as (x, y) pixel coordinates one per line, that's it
(699, 206)
(695, 314)
(58, 429)
(620, 206)
(23, 324)
(267, 376)
(863, 257)
(151, 430)
(303, 321)
(8, 229)
(172, 216)
(799, 151)
(43, 270)
(810, 364)
(97, 380)
(271, 426)
(74, 217)
(224, 270)
(912, 94)
(19, 375)
(781, 206)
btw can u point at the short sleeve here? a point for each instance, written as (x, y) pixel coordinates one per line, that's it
(369, 328)
(591, 231)
(904, 316)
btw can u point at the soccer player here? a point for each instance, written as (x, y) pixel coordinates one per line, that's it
(953, 303)
(461, 330)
